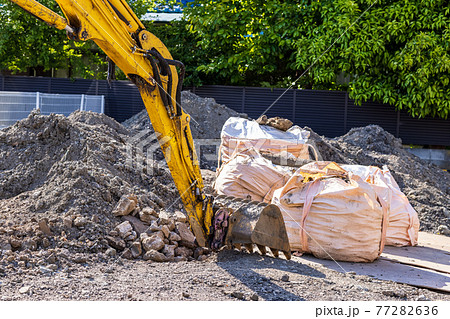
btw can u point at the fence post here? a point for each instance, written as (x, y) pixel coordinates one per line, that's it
(82, 107)
(345, 112)
(38, 101)
(103, 104)
(294, 101)
(243, 101)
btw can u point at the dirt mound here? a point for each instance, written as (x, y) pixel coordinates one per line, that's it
(60, 179)
(207, 116)
(426, 186)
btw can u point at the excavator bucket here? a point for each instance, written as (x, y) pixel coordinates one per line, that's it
(255, 223)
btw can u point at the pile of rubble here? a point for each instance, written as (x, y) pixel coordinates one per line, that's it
(60, 179)
(152, 236)
(207, 117)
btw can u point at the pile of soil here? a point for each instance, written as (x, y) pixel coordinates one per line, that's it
(207, 117)
(61, 177)
(426, 185)
(207, 120)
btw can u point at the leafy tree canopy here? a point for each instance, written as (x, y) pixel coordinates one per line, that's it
(26, 42)
(397, 52)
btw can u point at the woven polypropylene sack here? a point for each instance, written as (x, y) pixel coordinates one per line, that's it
(333, 218)
(239, 134)
(403, 229)
(250, 176)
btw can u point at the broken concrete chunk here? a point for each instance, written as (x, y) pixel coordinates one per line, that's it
(169, 252)
(80, 221)
(173, 236)
(276, 122)
(444, 230)
(138, 225)
(131, 236)
(136, 249)
(116, 242)
(43, 226)
(154, 256)
(148, 215)
(180, 217)
(125, 206)
(124, 229)
(153, 243)
(187, 238)
(183, 251)
(159, 234)
(111, 252)
(165, 231)
(127, 254)
(171, 224)
(154, 227)
(163, 218)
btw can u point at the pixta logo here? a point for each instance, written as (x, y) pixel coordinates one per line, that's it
(144, 151)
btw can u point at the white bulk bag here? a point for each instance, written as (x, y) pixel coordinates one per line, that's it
(239, 134)
(248, 175)
(403, 229)
(333, 218)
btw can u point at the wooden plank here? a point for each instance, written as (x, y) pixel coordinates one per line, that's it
(426, 265)
(433, 252)
(388, 270)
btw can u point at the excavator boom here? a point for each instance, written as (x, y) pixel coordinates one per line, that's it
(114, 27)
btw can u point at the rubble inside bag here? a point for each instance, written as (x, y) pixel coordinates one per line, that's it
(239, 134)
(426, 186)
(332, 215)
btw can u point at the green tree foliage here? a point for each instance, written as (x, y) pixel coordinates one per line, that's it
(26, 42)
(397, 52)
(183, 47)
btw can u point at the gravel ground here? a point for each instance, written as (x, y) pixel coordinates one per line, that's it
(227, 275)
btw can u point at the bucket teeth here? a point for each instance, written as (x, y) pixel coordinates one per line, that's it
(262, 249)
(254, 223)
(274, 252)
(287, 254)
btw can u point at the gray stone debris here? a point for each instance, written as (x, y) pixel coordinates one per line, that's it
(80, 222)
(126, 205)
(154, 255)
(187, 238)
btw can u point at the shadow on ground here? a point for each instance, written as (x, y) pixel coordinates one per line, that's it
(259, 274)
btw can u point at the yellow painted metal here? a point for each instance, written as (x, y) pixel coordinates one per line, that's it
(99, 21)
(43, 13)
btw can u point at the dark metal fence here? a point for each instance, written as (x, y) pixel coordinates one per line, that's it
(329, 113)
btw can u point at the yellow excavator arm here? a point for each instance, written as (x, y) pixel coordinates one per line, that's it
(114, 27)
